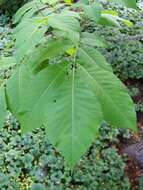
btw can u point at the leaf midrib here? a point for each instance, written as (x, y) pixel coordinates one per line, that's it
(72, 113)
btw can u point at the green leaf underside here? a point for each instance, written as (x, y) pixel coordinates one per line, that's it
(28, 35)
(117, 106)
(92, 40)
(66, 112)
(93, 12)
(109, 20)
(69, 26)
(20, 13)
(90, 55)
(50, 49)
(59, 99)
(27, 11)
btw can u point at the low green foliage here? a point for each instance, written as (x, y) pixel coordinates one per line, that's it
(6, 48)
(10, 6)
(30, 162)
(135, 92)
(125, 44)
(6, 41)
(139, 106)
(141, 183)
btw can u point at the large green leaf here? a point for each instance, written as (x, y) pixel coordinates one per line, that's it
(31, 9)
(23, 10)
(51, 48)
(69, 25)
(28, 34)
(109, 20)
(92, 40)
(117, 106)
(93, 12)
(92, 56)
(62, 103)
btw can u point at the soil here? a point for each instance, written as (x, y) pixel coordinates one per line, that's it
(134, 146)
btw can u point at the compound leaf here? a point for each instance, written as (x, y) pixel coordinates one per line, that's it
(63, 104)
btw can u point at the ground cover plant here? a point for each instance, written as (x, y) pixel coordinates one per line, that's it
(9, 7)
(125, 48)
(29, 161)
(62, 82)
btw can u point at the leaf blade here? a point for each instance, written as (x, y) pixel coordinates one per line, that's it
(66, 103)
(117, 106)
